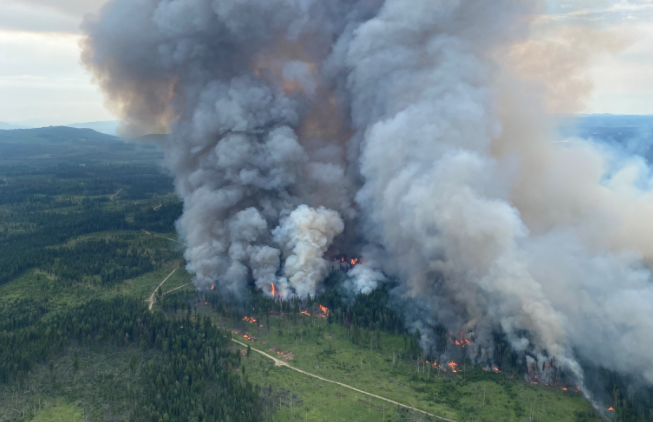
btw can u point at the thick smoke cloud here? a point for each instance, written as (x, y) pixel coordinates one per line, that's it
(404, 132)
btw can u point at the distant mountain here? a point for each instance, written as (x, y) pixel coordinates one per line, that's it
(67, 145)
(9, 126)
(108, 127)
(53, 134)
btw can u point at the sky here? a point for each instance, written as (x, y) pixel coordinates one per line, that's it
(43, 83)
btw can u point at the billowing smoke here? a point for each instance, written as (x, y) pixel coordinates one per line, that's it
(399, 131)
(306, 235)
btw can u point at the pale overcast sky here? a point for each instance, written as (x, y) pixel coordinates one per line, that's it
(42, 82)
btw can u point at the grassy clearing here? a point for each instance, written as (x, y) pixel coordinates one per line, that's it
(326, 350)
(144, 285)
(35, 285)
(60, 413)
(43, 287)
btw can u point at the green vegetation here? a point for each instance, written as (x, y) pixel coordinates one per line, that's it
(87, 235)
(377, 362)
(64, 413)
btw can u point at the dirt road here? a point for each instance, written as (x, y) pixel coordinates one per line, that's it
(176, 288)
(151, 299)
(114, 195)
(162, 237)
(279, 362)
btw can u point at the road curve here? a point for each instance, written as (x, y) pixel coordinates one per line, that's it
(151, 298)
(279, 362)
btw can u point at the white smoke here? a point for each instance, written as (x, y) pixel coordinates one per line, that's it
(363, 279)
(306, 235)
(406, 125)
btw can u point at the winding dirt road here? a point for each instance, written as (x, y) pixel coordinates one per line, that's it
(279, 362)
(151, 299)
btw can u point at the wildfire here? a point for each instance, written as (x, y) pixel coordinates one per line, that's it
(325, 311)
(462, 342)
(305, 313)
(611, 409)
(564, 388)
(453, 365)
(495, 369)
(272, 284)
(342, 259)
(354, 261)
(249, 319)
(246, 337)
(212, 287)
(435, 364)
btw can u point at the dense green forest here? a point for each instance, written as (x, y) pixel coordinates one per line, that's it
(88, 245)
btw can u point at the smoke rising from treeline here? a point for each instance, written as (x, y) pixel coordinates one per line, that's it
(400, 132)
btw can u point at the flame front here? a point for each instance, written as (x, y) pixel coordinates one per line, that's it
(324, 310)
(212, 287)
(305, 313)
(354, 261)
(272, 284)
(611, 409)
(249, 319)
(453, 365)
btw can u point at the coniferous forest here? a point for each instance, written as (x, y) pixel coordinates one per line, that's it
(99, 321)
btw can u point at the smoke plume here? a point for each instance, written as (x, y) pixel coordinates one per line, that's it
(402, 132)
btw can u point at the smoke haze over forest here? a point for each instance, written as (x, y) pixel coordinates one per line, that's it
(418, 139)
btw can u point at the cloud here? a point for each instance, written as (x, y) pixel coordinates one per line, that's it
(75, 8)
(18, 16)
(40, 79)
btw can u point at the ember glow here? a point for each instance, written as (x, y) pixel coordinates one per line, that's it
(272, 284)
(495, 369)
(611, 409)
(249, 319)
(354, 261)
(212, 286)
(305, 313)
(453, 365)
(325, 311)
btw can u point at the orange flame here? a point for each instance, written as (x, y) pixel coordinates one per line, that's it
(453, 365)
(564, 388)
(611, 409)
(354, 261)
(212, 287)
(249, 319)
(272, 289)
(324, 310)
(342, 259)
(305, 313)
(495, 369)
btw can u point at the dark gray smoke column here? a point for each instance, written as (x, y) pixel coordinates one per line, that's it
(258, 142)
(293, 120)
